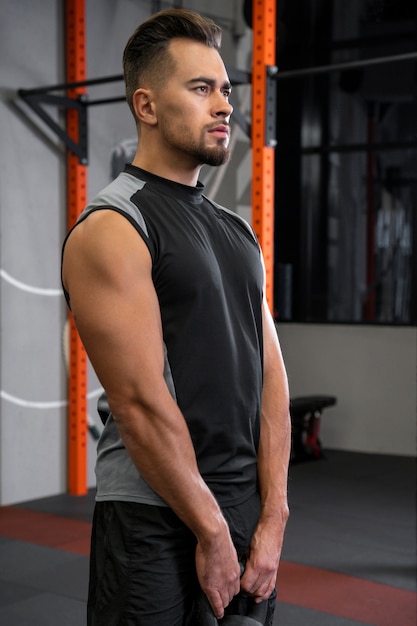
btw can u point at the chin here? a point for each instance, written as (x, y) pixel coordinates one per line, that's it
(217, 157)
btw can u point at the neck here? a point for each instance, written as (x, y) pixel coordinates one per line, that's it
(179, 172)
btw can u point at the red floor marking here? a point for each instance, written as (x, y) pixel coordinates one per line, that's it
(346, 596)
(45, 529)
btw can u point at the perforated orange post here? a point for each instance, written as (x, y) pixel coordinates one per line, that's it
(263, 157)
(76, 200)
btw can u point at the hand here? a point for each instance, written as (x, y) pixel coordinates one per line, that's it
(218, 573)
(259, 578)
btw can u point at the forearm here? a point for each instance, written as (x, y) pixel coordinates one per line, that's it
(274, 447)
(273, 455)
(158, 441)
(273, 460)
(273, 476)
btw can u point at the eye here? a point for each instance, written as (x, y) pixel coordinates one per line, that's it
(202, 88)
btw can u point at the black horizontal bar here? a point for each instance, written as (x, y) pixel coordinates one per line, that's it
(106, 100)
(373, 40)
(237, 77)
(348, 65)
(81, 83)
(355, 147)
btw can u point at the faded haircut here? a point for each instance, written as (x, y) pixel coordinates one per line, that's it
(146, 53)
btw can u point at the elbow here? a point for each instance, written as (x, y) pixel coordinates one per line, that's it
(126, 409)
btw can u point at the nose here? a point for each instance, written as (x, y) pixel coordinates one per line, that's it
(222, 107)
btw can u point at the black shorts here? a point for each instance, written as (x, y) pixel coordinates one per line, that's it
(142, 563)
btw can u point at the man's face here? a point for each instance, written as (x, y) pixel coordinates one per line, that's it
(193, 108)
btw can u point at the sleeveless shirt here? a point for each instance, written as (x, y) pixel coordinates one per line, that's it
(208, 276)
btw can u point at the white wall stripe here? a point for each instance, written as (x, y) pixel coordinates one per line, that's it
(39, 291)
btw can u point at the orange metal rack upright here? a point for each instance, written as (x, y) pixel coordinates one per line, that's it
(263, 127)
(76, 200)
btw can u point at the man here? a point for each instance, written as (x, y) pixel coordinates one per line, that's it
(166, 289)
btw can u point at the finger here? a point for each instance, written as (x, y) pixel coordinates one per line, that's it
(264, 591)
(259, 586)
(219, 601)
(216, 604)
(250, 581)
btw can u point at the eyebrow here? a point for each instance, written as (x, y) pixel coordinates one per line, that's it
(210, 82)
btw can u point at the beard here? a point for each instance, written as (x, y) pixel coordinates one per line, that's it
(180, 138)
(215, 156)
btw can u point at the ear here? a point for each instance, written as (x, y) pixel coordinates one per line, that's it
(144, 106)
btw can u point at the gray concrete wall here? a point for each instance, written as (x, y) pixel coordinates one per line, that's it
(372, 372)
(32, 418)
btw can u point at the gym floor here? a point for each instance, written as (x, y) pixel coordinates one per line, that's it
(349, 556)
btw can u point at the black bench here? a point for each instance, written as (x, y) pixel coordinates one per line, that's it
(306, 412)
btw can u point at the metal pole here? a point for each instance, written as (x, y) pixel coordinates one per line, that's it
(348, 65)
(76, 200)
(263, 155)
(370, 302)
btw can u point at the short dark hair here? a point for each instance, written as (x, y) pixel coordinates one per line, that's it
(146, 55)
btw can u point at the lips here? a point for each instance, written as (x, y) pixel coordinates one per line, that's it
(220, 130)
